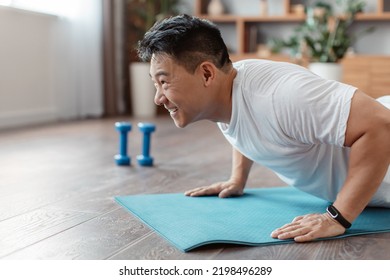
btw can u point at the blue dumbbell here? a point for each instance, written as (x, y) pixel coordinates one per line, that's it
(145, 159)
(123, 128)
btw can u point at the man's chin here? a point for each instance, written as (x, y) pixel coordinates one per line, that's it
(180, 123)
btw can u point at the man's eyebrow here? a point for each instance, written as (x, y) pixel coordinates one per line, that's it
(160, 73)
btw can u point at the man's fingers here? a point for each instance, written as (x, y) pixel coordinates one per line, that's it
(306, 237)
(212, 190)
(222, 189)
(284, 229)
(193, 191)
(299, 231)
(299, 226)
(308, 227)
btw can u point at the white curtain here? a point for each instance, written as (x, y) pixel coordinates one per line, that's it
(74, 49)
(77, 59)
(51, 61)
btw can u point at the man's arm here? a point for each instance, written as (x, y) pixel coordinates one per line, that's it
(368, 135)
(241, 167)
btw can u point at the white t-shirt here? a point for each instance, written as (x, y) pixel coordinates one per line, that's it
(294, 122)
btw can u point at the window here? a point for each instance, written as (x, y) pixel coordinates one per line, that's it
(68, 8)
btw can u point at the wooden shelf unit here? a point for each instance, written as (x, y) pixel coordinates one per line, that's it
(368, 73)
(243, 23)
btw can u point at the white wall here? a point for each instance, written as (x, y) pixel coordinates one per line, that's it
(50, 69)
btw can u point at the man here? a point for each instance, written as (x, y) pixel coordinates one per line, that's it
(324, 137)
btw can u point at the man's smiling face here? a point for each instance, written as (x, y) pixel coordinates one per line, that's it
(178, 90)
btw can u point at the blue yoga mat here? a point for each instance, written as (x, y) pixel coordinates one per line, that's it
(190, 222)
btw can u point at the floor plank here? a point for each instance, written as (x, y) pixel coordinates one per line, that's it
(95, 239)
(36, 226)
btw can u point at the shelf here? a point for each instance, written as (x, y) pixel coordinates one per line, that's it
(373, 16)
(287, 18)
(250, 30)
(222, 18)
(284, 18)
(233, 18)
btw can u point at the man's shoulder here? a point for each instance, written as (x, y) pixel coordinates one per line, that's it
(252, 62)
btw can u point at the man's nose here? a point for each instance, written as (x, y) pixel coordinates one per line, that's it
(159, 97)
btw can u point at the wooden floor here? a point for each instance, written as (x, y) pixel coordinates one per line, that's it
(58, 182)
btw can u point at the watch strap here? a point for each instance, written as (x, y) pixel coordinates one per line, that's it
(336, 215)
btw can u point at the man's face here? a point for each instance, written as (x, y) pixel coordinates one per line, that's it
(179, 91)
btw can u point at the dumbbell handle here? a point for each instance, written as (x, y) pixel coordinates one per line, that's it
(123, 143)
(123, 128)
(146, 144)
(145, 159)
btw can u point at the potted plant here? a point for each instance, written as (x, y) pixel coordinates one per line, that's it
(323, 39)
(142, 14)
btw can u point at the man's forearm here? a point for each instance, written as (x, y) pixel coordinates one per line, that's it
(368, 135)
(368, 164)
(241, 167)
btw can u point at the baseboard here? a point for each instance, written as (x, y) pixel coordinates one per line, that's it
(27, 117)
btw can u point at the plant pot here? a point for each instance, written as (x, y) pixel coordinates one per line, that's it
(327, 70)
(142, 91)
(215, 8)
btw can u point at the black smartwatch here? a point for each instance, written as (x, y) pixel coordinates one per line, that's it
(335, 214)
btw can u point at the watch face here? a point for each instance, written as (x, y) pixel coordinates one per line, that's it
(332, 212)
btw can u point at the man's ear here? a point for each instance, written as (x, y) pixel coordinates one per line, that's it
(208, 72)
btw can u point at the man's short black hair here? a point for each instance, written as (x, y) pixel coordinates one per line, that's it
(187, 40)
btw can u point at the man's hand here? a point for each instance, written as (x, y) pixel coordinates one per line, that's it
(222, 189)
(234, 186)
(309, 227)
